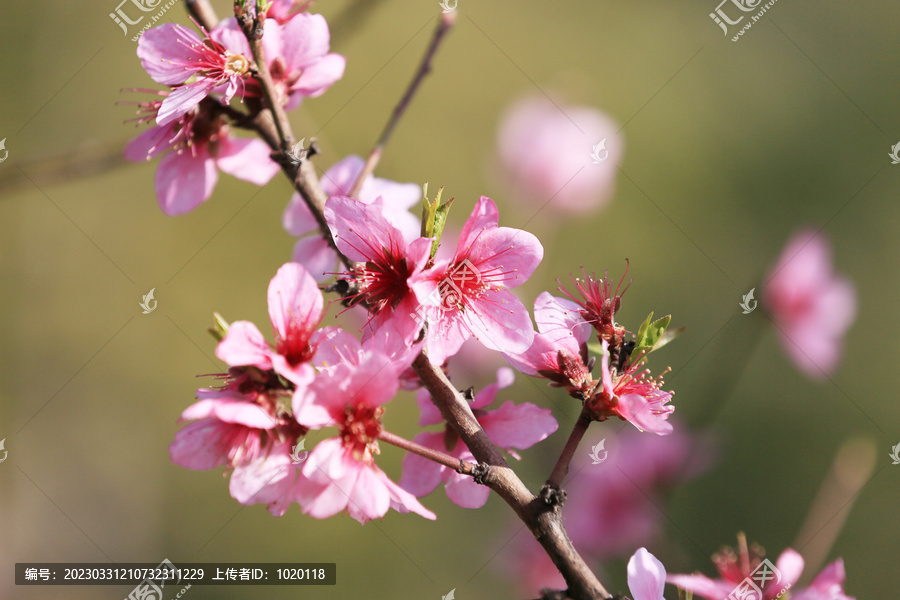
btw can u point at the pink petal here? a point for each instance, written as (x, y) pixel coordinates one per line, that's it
(420, 475)
(305, 40)
(244, 345)
(404, 502)
(646, 576)
(647, 415)
(297, 219)
(431, 415)
(485, 216)
(329, 462)
(149, 144)
(319, 500)
(446, 337)
(295, 301)
(790, 563)
(561, 318)
(164, 49)
(333, 347)
(182, 99)
(229, 34)
(200, 445)
(518, 426)
(267, 479)
(246, 159)
(309, 411)
(183, 182)
(463, 491)
(360, 231)
(317, 78)
(319, 258)
(500, 322)
(507, 254)
(370, 498)
(701, 585)
(229, 410)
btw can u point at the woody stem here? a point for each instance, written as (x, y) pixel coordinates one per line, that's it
(565, 457)
(442, 458)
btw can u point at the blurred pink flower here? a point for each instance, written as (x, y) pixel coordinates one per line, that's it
(340, 472)
(200, 143)
(612, 506)
(734, 568)
(811, 306)
(646, 576)
(509, 426)
(548, 151)
(312, 249)
(468, 295)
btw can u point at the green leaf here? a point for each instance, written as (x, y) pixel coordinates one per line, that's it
(434, 217)
(220, 327)
(652, 336)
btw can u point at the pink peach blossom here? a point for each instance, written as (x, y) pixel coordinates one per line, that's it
(468, 295)
(340, 473)
(545, 150)
(312, 249)
(812, 307)
(198, 144)
(518, 426)
(646, 576)
(295, 310)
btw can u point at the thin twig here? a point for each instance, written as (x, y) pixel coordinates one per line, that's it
(203, 13)
(458, 465)
(446, 23)
(568, 451)
(544, 521)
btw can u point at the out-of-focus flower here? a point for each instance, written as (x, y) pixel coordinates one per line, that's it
(201, 144)
(565, 155)
(312, 250)
(509, 426)
(469, 294)
(734, 567)
(811, 305)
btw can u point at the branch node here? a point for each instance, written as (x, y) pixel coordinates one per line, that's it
(480, 472)
(551, 495)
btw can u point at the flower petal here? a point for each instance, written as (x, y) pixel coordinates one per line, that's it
(518, 426)
(163, 51)
(243, 346)
(246, 159)
(184, 181)
(646, 576)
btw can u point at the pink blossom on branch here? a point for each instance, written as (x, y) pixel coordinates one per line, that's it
(340, 473)
(509, 426)
(295, 310)
(312, 250)
(197, 145)
(469, 295)
(811, 306)
(569, 154)
(387, 264)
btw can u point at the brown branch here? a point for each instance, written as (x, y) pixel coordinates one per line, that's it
(565, 457)
(203, 13)
(446, 23)
(457, 464)
(544, 521)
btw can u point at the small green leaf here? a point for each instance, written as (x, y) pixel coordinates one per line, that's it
(652, 336)
(220, 327)
(434, 217)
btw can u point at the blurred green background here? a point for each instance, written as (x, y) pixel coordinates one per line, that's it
(729, 148)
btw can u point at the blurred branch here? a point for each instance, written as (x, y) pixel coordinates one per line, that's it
(203, 13)
(446, 23)
(84, 161)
